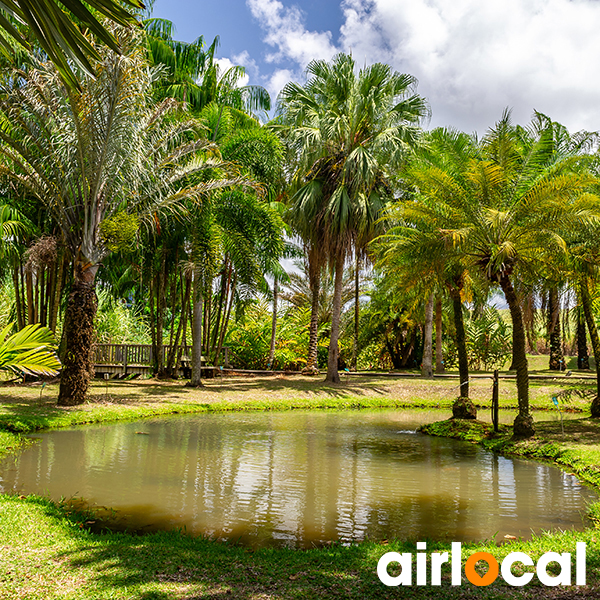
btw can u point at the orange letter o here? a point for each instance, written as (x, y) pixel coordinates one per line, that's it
(492, 571)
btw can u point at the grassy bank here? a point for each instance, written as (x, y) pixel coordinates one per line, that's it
(48, 551)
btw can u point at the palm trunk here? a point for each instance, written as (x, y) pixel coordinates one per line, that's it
(427, 364)
(583, 361)
(554, 333)
(332, 360)
(79, 334)
(586, 303)
(523, 425)
(439, 354)
(312, 366)
(198, 310)
(356, 311)
(273, 325)
(462, 407)
(227, 316)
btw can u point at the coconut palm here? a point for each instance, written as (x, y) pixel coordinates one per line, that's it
(349, 130)
(104, 160)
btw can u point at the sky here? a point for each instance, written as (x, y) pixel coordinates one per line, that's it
(472, 58)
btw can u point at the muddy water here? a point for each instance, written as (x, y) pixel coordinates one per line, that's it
(298, 478)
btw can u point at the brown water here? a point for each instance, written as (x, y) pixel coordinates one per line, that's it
(298, 478)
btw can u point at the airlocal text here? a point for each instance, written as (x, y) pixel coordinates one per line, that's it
(405, 561)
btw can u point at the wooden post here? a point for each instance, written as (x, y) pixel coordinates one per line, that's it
(125, 351)
(495, 401)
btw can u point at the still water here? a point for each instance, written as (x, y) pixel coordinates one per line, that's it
(299, 478)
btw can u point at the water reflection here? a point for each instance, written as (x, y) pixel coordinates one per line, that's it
(297, 478)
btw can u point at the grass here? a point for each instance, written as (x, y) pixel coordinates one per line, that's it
(49, 551)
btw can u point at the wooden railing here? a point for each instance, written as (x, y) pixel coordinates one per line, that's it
(142, 354)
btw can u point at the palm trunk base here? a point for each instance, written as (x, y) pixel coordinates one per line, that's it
(463, 408)
(194, 384)
(523, 426)
(595, 408)
(79, 334)
(310, 370)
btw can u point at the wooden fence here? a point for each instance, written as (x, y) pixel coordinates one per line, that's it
(128, 359)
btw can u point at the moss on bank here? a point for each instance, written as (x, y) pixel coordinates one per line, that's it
(578, 449)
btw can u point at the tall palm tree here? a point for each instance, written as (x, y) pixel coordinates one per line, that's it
(349, 130)
(104, 160)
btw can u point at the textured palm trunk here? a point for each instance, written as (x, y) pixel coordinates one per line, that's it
(583, 360)
(230, 299)
(356, 312)
(312, 366)
(427, 364)
(273, 324)
(79, 332)
(332, 360)
(554, 332)
(462, 407)
(439, 354)
(586, 303)
(197, 315)
(523, 425)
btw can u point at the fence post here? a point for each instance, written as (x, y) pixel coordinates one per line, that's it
(495, 401)
(125, 352)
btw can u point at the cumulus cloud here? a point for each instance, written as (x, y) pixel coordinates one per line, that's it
(225, 64)
(286, 33)
(472, 58)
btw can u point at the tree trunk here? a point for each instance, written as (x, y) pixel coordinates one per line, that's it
(439, 354)
(18, 304)
(332, 360)
(462, 408)
(554, 334)
(79, 334)
(273, 324)
(586, 303)
(225, 324)
(356, 311)
(523, 425)
(314, 270)
(427, 364)
(583, 361)
(161, 305)
(198, 310)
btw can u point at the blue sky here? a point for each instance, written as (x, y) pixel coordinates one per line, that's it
(472, 58)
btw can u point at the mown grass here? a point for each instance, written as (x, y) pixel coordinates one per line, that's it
(49, 551)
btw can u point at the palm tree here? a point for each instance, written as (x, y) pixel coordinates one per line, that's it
(59, 35)
(349, 130)
(30, 351)
(104, 160)
(419, 246)
(523, 196)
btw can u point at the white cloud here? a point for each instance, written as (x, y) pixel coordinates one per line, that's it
(286, 33)
(225, 64)
(472, 58)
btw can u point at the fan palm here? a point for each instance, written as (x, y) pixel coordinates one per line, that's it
(103, 160)
(349, 130)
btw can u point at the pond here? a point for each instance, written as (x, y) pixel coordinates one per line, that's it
(299, 478)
